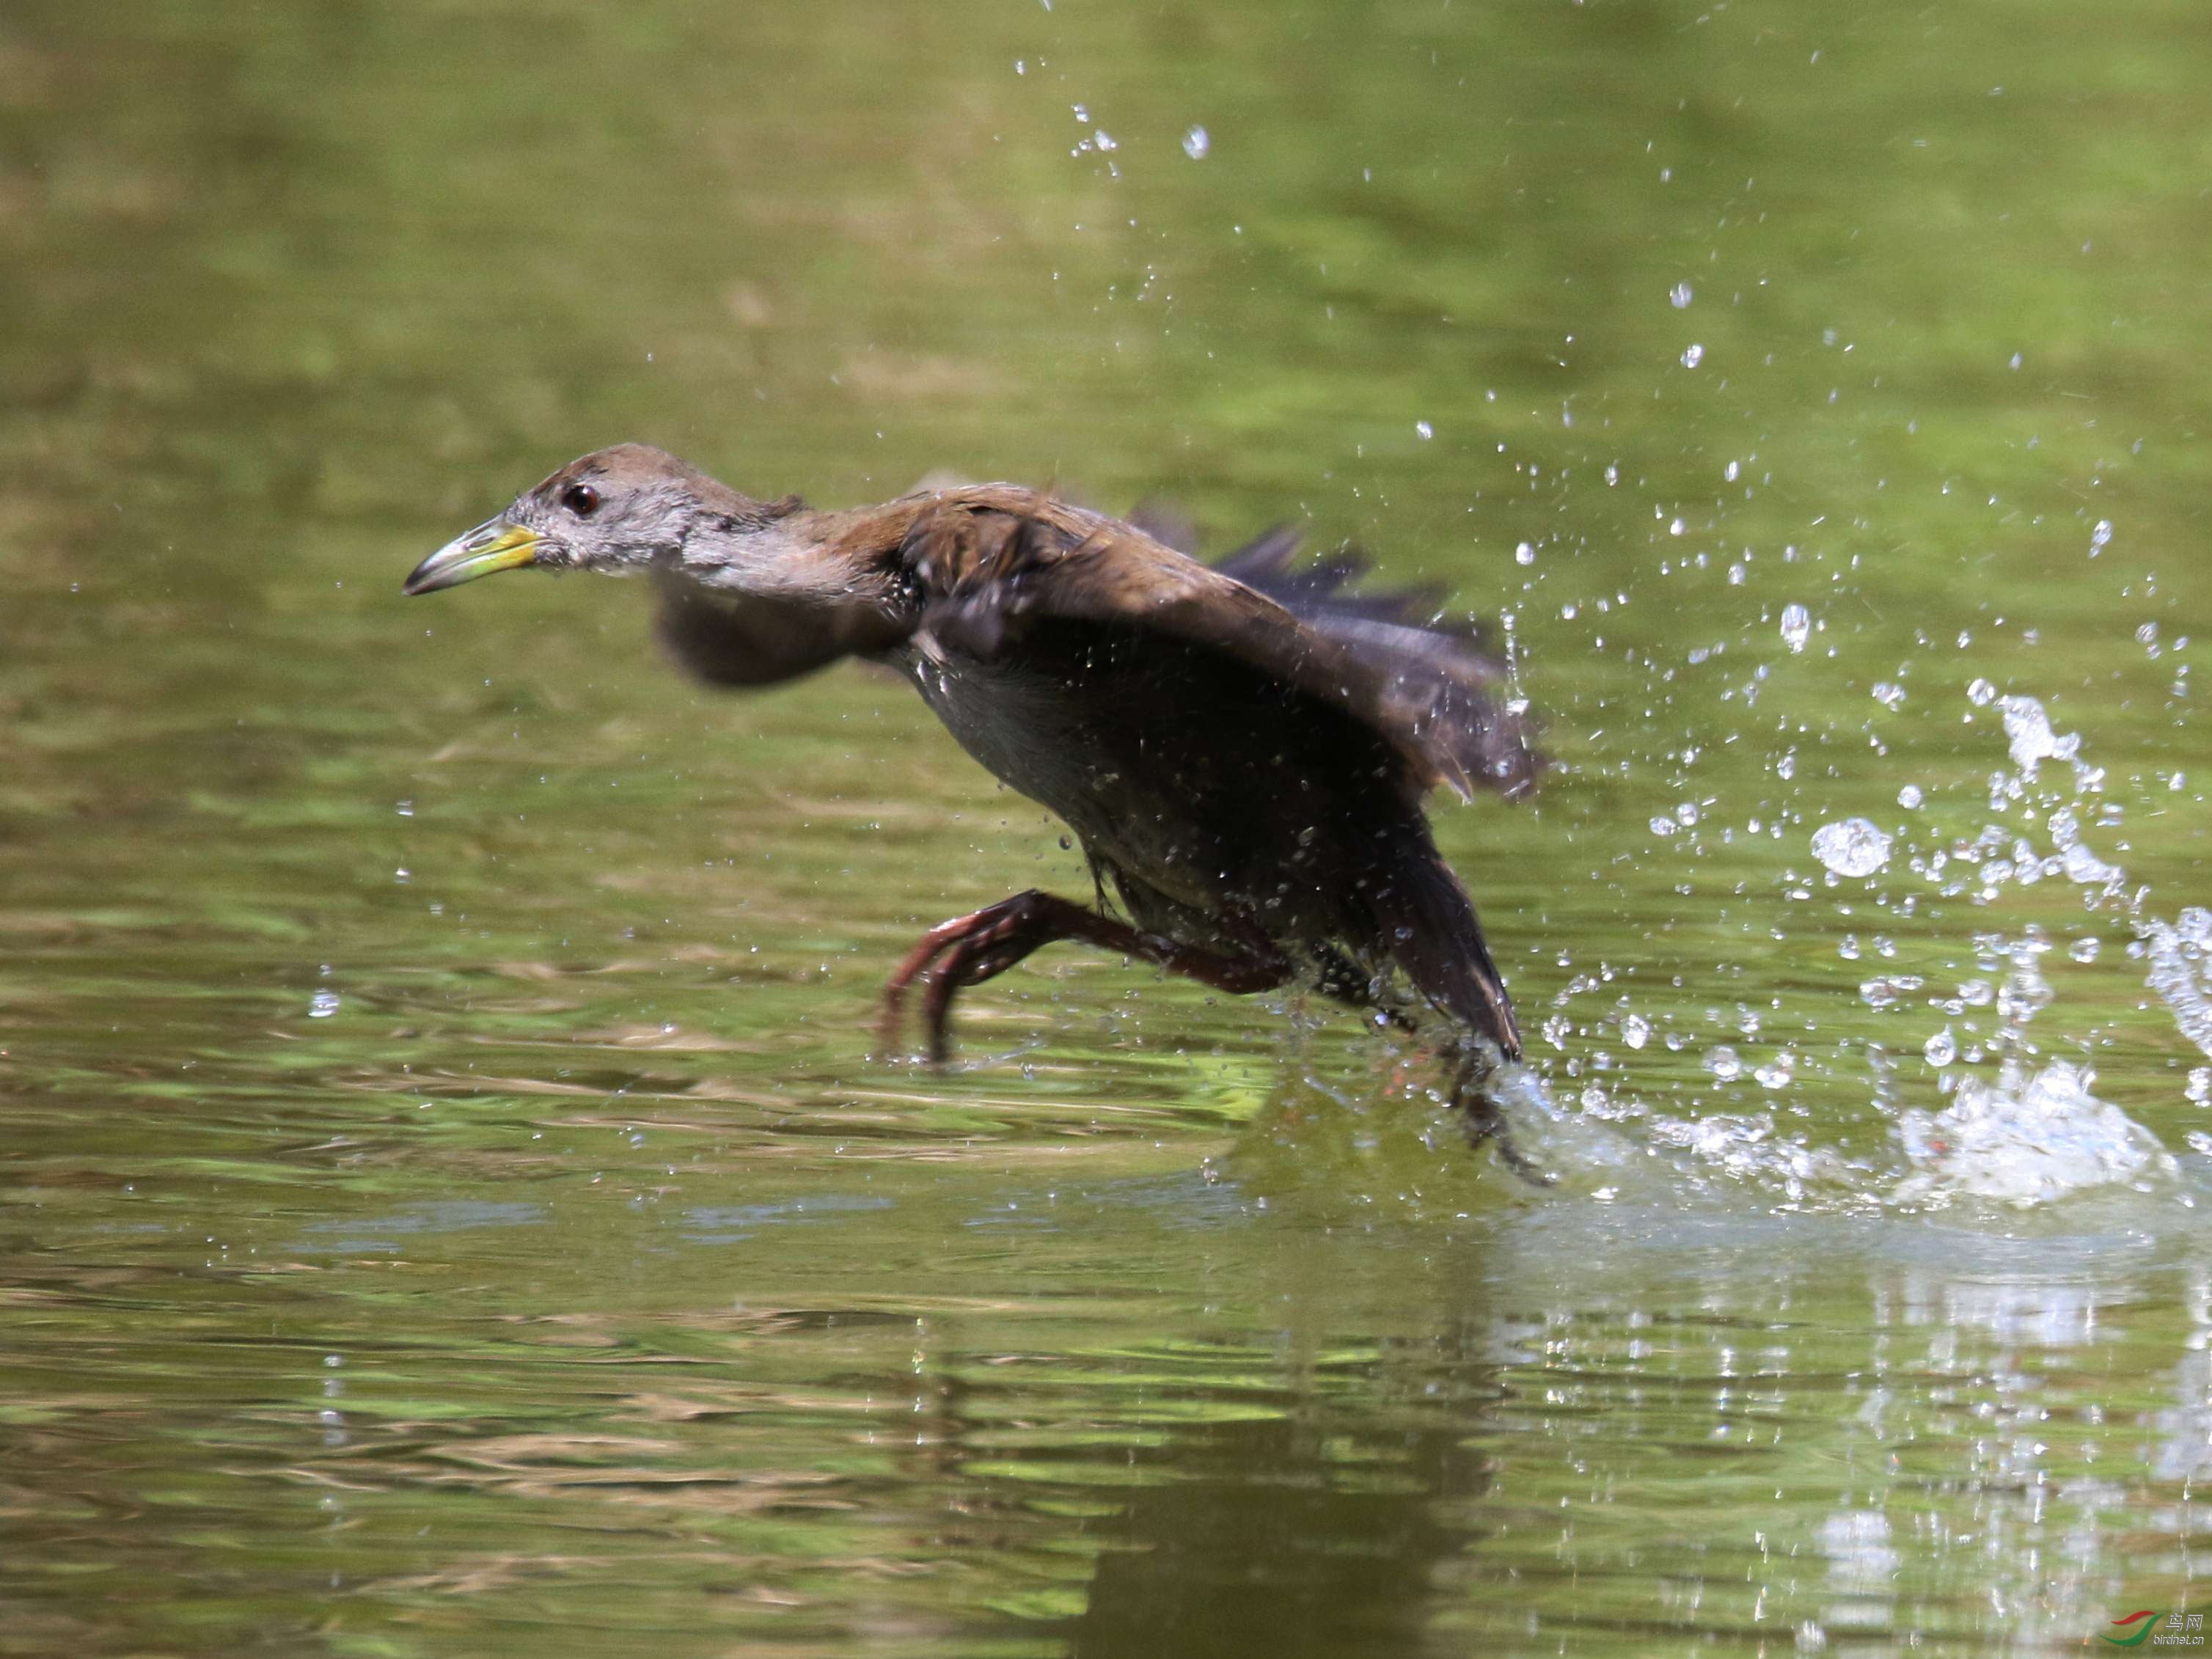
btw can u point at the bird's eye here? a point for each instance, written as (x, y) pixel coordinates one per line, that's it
(580, 499)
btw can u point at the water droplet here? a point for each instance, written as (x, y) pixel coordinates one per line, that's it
(1195, 143)
(1524, 554)
(323, 1005)
(1694, 356)
(1888, 695)
(1722, 1062)
(2099, 536)
(2085, 949)
(1680, 296)
(2200, 1085)
(1981, 694)
(2085, 868)
(2028, 733)
(1425, 429)
(1797, 626)
(1853, 847)
(1942, 1048)
(1910, 797)
(1635, 1030)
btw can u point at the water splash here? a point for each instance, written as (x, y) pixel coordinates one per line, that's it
(2028, 733)
(2026, 1138)
(2009, 1124)
(2037, 1133)
(2179, 953)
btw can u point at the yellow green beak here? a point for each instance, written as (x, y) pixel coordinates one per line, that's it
(492, 546)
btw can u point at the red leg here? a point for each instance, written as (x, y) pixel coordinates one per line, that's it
(969, 949)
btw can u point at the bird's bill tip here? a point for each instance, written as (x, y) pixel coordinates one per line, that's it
(492, 546)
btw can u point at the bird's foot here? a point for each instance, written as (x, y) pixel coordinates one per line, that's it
(1343, 981)
(967, 950)
(1483, 1118)
(1490, 1126)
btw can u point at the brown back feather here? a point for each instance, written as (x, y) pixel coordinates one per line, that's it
(985, 555)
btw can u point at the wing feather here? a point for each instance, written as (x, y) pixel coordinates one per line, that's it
(983, 558)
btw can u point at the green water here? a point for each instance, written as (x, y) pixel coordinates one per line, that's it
(450, 1206)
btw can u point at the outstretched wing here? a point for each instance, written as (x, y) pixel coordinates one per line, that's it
(981, 559)
(1454, 687)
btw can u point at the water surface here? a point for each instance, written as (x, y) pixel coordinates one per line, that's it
(451, 1206)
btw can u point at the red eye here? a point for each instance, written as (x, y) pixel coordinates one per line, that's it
(580, 499)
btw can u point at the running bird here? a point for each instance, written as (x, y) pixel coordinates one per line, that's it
(1241, 748)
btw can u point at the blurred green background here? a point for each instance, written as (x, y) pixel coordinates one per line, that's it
(447, 1205)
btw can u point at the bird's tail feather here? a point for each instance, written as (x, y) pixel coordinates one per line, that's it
(1428, 928)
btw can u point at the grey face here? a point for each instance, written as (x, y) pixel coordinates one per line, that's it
(618, 509)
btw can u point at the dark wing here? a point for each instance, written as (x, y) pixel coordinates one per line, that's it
(984, 557)
(1445, 672)
(728, 641)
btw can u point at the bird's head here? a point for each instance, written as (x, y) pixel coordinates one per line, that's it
(624, 509)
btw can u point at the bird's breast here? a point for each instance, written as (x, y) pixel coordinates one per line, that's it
(1072, 742)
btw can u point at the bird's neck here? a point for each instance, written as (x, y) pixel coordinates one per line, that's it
(750, 601)
(737, 558)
